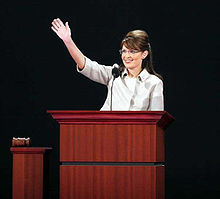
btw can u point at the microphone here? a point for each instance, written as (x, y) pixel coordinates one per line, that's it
(115, 74)
(115, 71)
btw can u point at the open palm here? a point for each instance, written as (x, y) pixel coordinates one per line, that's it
(63, 31)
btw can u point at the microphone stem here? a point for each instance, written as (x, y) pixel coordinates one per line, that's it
(111, 93)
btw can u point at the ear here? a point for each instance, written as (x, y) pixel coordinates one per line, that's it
(145, 54)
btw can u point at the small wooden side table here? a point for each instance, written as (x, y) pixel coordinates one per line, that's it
(30, 172)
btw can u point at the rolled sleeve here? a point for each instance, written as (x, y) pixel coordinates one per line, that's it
(96, 72)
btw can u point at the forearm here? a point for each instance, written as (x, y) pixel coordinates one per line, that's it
(75, 53)
(64, 33)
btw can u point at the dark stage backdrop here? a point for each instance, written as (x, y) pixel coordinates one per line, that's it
(38, 74)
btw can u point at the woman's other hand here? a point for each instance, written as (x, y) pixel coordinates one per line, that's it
(63, 31)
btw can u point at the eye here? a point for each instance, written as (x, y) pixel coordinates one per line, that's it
(123, 51)
(133, 51)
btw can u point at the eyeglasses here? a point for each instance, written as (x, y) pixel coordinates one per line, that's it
(130, 52)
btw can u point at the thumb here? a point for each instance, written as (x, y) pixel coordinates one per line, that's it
(68, 28)
(67, 25)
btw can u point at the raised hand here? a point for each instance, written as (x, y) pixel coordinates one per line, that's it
(63, 31)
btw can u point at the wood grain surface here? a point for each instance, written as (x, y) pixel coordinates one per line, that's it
(111, 143)
(111, 182)
(30, 173)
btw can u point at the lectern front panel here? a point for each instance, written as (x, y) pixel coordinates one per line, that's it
(111, 143)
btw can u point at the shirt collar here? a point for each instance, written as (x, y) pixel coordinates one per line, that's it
(142, 76)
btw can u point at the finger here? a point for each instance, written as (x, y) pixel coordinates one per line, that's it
(59, 22)
(55, 24)
(55, 30)
(54, 27)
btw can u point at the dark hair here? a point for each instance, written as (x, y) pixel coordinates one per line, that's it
(139, 40)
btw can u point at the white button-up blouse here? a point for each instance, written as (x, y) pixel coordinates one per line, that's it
(144, 93)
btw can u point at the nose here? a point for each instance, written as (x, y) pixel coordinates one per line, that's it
(127, 54)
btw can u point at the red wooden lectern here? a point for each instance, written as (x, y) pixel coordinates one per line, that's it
(112, 154)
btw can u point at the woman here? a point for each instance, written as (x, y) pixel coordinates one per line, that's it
(139, 87)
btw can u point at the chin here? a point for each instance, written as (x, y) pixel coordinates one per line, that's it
(128, 65)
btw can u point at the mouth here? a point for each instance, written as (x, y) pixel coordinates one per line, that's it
(128, 61)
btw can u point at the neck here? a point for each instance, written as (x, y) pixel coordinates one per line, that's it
(134, 72)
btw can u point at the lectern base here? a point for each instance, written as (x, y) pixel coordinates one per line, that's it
(111, 182)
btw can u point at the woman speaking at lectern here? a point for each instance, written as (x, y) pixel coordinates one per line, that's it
(137, 88)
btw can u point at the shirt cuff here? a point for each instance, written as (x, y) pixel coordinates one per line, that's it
(87, 62)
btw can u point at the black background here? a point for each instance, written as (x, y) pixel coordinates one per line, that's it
(38, 74)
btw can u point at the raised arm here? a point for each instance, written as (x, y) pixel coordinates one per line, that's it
(64, 33)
